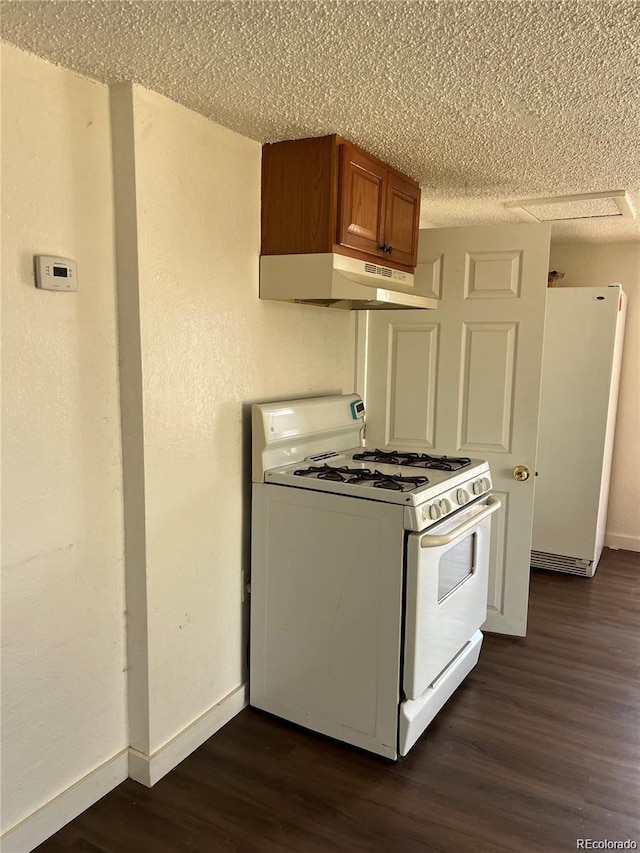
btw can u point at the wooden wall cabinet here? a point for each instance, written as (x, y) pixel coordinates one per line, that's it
(327, 195)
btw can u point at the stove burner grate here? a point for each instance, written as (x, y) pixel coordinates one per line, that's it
(413, 460)
(342, 474)
(362, 476)
(390, 481)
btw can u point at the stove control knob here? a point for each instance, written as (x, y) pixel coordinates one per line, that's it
(462, 496)
(477, 487)
(434, 511)
(486, 484)
(445, 506)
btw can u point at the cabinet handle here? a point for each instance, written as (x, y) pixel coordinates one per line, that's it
(389, 249)
(383, 248)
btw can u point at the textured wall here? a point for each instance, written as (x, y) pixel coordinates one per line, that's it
(209, 348)
(63, 697)
(589, 265)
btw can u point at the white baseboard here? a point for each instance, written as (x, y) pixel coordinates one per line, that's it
(626, 543)
(148, 769)
(36, 828)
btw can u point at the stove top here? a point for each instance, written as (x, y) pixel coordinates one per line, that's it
(298, 444)
(414, 460)
(386, 475)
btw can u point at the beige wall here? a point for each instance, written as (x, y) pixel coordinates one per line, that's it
(63, 654)
(208, 348)
(592, 265)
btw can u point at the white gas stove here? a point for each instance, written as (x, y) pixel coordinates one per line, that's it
(369, 574)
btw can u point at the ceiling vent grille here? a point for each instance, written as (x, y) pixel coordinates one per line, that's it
(572, 207)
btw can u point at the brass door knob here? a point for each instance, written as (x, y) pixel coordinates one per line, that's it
(521, 473)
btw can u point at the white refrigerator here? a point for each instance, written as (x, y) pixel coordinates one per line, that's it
(584, 328)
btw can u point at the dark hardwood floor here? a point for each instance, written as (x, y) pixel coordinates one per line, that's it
(539, 747)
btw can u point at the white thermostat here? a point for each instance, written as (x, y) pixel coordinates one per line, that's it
(56, 273)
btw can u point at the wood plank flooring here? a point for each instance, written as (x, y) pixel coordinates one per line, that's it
(539, 747)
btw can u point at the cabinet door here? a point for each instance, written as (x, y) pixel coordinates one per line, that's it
(362, 200)
(401, 219)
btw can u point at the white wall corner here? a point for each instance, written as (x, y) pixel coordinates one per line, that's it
(55, 814)
(131, 408)
(149, 769)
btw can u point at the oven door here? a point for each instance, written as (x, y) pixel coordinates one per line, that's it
(446, 593)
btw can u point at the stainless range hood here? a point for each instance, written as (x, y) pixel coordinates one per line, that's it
(337, 281)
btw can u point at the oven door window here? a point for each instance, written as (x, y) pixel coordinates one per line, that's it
(456, 566)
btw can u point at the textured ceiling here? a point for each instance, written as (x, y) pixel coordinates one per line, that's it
(481, 102)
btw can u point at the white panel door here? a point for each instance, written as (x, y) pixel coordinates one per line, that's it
(465, 379)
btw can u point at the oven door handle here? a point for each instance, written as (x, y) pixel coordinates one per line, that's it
(430, 540)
